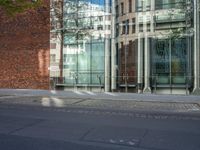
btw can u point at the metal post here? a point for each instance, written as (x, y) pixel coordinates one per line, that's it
(170, 65)
(196, 89)
(62, 39)
(187, 20)
(126, 84)
(107, 51)
(99, 78)
(140, 64)
(147, 88)
(113, 54)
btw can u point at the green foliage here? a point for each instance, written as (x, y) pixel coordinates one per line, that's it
(13, 7)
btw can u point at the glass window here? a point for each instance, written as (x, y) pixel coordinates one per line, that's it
(117, 30)
(130, 6)
(97, 56)
(175, 15)
(123, 27)
(53, 58)
(70, 58)
(122, 8)
(133, 25)
(143, 5)
(170, 61)
(167, 4)
(127, 26)
(117, 10)
(141, 27)
(83, 59)
(52, 45)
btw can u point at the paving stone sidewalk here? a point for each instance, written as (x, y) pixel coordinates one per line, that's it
(117, 101)
(117, 105)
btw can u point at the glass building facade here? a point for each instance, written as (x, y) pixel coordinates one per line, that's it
(163, 33)
(85, 24)
(132, 45)
(171, 49)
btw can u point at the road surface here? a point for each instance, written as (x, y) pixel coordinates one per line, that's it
(53, 123)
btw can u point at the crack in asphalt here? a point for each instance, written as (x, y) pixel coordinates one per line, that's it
(82, 138)
(26, 126)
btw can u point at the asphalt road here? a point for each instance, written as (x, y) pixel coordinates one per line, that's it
(30, 126)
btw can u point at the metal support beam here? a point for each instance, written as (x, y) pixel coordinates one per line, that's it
(113, 54)
(107, 50)
(140, 64)
(196, 90)
(147, 88)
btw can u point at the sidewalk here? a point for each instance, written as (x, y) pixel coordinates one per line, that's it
(104, 103)
(101, 95)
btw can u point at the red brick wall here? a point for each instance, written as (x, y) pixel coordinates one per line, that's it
(24, 49)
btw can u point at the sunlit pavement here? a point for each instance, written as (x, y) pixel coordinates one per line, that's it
(103, 100)
(51, 120)
(100, 95)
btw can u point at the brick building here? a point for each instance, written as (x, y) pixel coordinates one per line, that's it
(24, 49)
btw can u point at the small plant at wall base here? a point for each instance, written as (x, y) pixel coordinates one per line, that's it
(13, 7)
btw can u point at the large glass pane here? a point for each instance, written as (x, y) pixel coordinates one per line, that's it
(168, 4)
(84, 57)
(97, 62)
(97, 56)
(169, 16)
(69, 63)
(84, 77)
(170, 62)
(179, 62)
(143, 5)
(161, 62)
(84, 64)
(84, 23)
